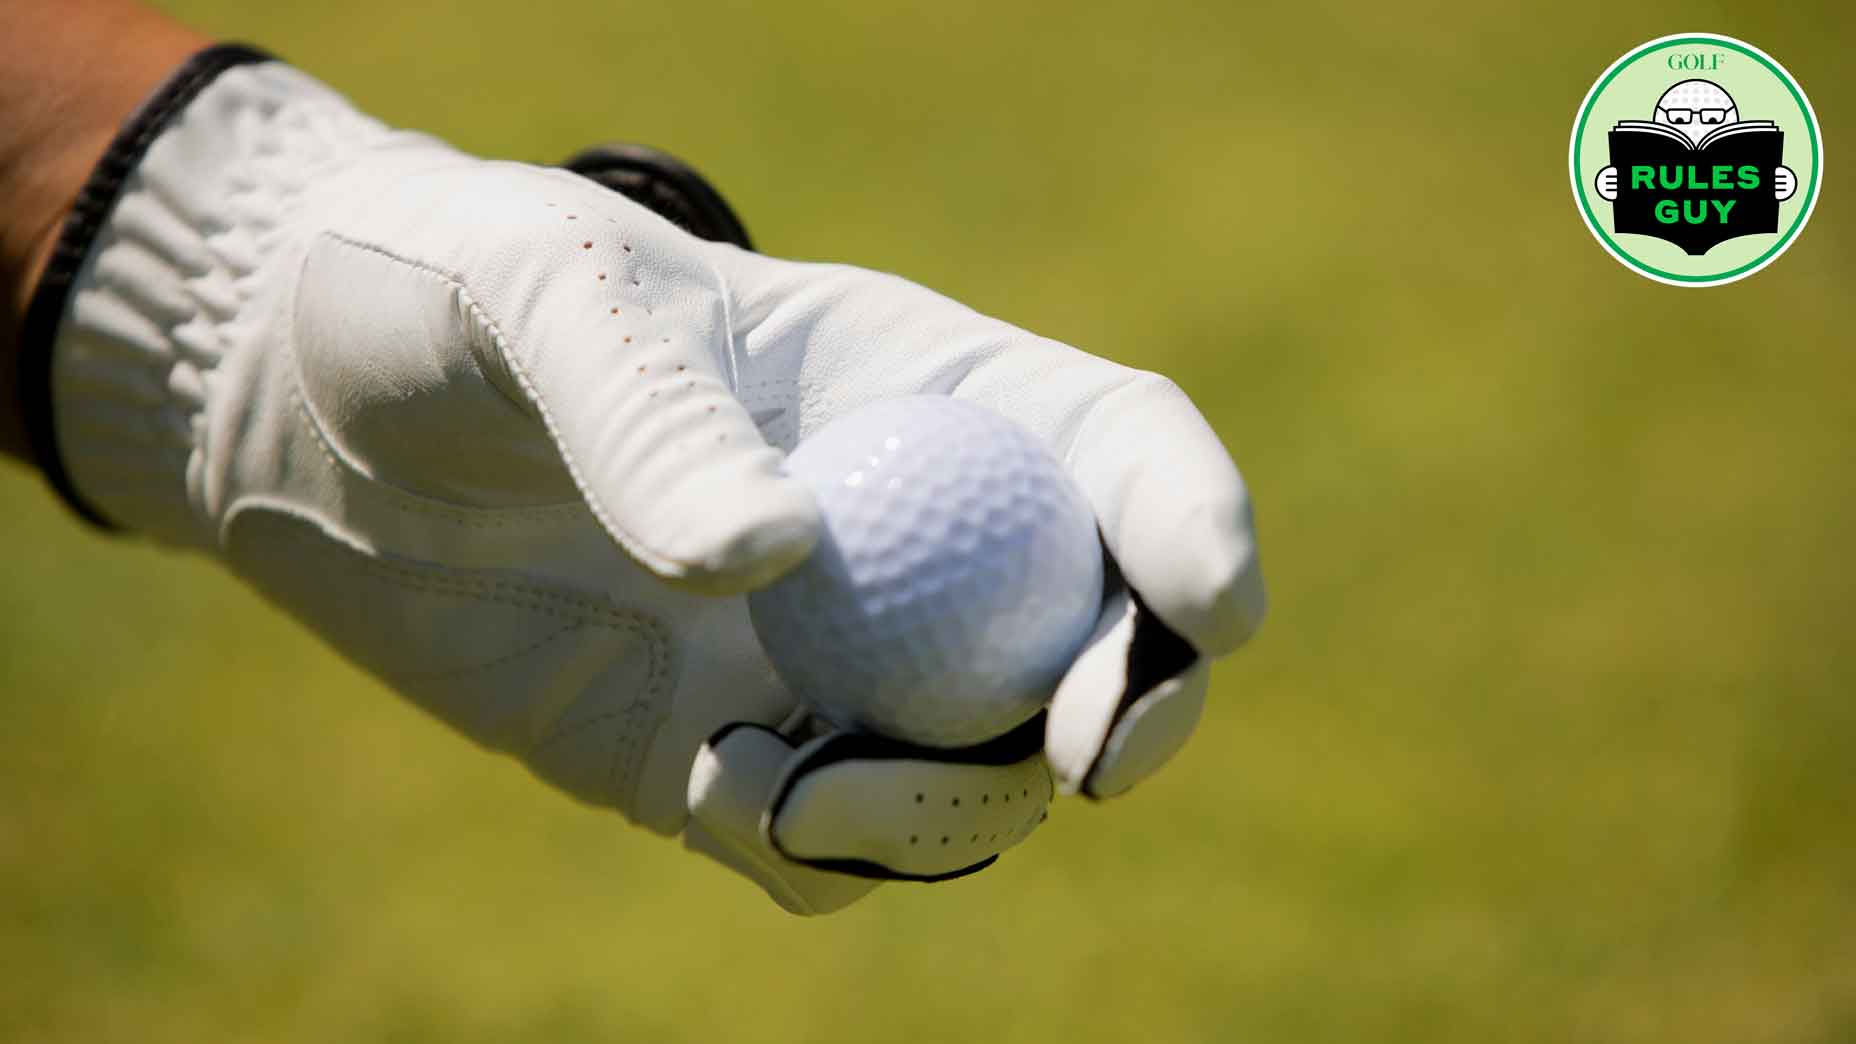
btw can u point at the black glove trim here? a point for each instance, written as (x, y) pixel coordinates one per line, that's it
(1018, 745)
(1156, 653)
(878, 872)
(854, 867)
(92, 207)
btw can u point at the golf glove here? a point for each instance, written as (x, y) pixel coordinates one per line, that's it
(513, 444)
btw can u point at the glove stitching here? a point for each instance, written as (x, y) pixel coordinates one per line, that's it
(625, 538)
(627, 744)
(731, 378)
(473, 518)
(772, 382)
(565, 607)
(651, 632)
(443, 579)
(465, 672)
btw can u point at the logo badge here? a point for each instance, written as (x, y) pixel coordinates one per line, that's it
(1696, 159)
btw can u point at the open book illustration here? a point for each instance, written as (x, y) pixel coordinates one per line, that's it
(1696, 194)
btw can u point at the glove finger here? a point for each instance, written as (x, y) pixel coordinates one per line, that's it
(730, 784)
(1174, 512)
(1126, 705)
(859, 804)
(1175, 515)
(631, 374)
(606, 322)
(1172, 507)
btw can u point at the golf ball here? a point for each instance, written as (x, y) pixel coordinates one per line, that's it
(958, 574)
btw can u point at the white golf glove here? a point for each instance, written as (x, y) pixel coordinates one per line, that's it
(513, 444)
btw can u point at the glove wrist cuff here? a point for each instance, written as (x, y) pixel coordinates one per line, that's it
(51, 296)
(156, 280)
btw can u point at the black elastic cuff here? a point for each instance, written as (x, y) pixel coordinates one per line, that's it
(94, 203)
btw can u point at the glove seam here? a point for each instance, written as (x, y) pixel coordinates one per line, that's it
(405, 499)
(472, 306)
(728, 327)
(579, 610)
(464, 672)
(501, 592)
(415, 503)
(453, 281)
(442, 579)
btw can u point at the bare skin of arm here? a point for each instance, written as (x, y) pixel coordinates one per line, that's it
(70, 72)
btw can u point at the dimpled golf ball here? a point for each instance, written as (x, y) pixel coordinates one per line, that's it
(958, 574)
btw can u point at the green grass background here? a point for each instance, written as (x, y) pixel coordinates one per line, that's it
(1550, 736)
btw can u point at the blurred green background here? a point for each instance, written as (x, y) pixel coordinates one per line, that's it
(1550, 736)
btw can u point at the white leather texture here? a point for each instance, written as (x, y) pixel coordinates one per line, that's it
(514, 444)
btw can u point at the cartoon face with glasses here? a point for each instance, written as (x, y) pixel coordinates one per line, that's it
(1696, 108)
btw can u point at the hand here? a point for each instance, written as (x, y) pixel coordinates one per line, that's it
(1607, 184)
(422, 401)
(1784, 183)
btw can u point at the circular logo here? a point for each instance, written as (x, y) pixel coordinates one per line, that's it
(1696, 159)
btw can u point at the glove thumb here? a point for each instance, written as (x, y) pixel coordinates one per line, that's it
(611, 327)
(627, 358)
(731, 784)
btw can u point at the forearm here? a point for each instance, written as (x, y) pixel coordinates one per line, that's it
(70, 72)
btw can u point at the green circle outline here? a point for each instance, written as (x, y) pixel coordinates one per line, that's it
(1598, 228)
